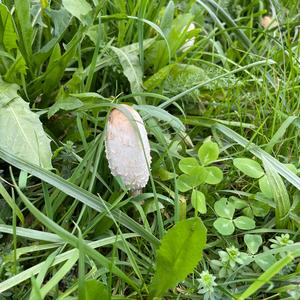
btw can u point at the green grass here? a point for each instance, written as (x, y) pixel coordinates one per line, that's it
(70, 230)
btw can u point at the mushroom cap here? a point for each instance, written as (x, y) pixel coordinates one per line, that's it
(127, 147)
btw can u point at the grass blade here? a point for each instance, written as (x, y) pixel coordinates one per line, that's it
(79, 194)
(74, 241)
(281, 196)
(17, 279)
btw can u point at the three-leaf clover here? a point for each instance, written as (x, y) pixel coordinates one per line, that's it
(198, 171)
(225, 224)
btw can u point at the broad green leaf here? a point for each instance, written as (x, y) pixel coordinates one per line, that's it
(183, 183)
(244, 223)
(8, 91)
(266, 261)
(187, 164)
(198, 175)
(224, 226)
(224, 208)
(95, 290)
(208, 152)
(249, 167)
(195, 177)
(77, 8)
(214, 175)
(253, 242)
(58, 63)
(260, 209)
(131, 68)
(180, 251)
(198, 202)
(21, 132)
(265, 187)
(61, 20)
(237, 202)
(8, 36)
(176, 36)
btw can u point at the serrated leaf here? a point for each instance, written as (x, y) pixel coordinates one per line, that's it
(21, 132)
(253, 242)
(244, 223)
(198, 202)
(187, 164)
(214, 175)
(208, 152)
(249, 167)
(180, 251)
(224, 226)
(224, 208)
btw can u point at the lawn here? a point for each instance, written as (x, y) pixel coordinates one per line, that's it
(149, 149)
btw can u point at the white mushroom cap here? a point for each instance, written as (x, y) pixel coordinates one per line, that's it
(268, 22)
(127, 147)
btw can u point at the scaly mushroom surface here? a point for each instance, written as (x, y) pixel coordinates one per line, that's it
(127, 147)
